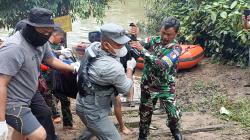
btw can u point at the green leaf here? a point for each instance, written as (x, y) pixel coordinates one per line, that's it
(213, 16)
(243, 38)
(216, 4)
(223, 14)
(225, 6)
(233, 4)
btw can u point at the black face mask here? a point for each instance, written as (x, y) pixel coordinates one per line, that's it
(33, 37)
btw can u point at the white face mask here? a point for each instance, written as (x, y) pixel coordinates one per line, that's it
(121, 52)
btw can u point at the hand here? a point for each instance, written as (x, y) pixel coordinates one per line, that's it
(67, 52)
(246, 19)
(108, 48)
(3, 130)
(131, 64)
(76, 66)
(246, 22)
(136, 45)
(134, 30)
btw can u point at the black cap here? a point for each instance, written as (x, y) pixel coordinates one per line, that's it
(40, 17)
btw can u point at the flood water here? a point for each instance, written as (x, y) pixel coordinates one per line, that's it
(119, 12)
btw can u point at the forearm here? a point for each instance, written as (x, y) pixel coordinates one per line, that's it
(59, 65)
(3, 99)
(129, 73)
(154, 59)
(165, 61)
(118, 110)
(4, 82)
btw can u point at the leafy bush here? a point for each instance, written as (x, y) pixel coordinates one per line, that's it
(214, 24)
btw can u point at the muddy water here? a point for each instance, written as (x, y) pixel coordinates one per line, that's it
(121, 13)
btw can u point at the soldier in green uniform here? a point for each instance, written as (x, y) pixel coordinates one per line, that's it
(158, 81)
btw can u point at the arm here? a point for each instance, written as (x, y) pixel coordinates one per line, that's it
(118, 110)
(129, 73)
(11, 61)
(56, 63)
(4, 81)
(131, 91)
(59, 65)
(164, 62)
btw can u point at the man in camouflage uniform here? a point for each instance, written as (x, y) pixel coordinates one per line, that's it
(57, 90)
(50, 99)
(158, 81)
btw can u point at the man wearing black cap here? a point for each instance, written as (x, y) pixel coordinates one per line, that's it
(20, 57)
(101, 75)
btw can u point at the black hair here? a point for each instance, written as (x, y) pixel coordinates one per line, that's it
(58, 29)
(94, 36)
(169, 22)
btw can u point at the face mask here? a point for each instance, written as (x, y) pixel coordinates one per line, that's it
(35, 38)
(121, 52)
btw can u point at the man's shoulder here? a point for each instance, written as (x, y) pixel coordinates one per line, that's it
(15, 41)
(108, 64)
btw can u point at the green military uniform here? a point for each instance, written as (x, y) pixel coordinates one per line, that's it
(50, 99)
(158, 81)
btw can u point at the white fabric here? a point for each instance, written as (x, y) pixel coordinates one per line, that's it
(3, 130)
(67, 52)
(76, 66)
(121, 52)
(131, 63)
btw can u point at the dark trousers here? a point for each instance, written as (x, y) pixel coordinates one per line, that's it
(43, 114)
(51, 101)
(65, 107)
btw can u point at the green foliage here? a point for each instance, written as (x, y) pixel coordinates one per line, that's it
(14, 10)
(214, 24)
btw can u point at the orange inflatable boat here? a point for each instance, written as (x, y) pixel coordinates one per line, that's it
(191, 55)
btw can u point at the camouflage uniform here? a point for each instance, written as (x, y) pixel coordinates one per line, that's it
(49, 97)
(58, 93)
(158, 81)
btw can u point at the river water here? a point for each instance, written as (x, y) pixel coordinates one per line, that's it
(119, 12)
